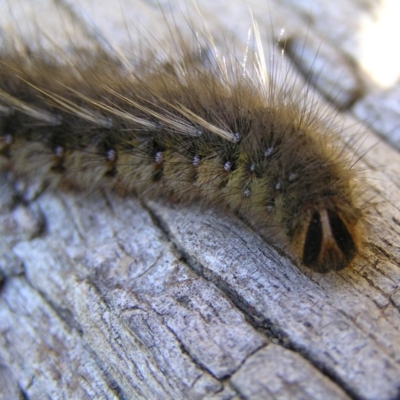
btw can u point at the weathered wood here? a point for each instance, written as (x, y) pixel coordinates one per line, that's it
(109, 297)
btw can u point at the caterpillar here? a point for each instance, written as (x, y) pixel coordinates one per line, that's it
(193, 126)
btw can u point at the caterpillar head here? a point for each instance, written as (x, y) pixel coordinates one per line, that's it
(326, 239)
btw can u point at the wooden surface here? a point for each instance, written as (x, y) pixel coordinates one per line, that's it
(108, 297)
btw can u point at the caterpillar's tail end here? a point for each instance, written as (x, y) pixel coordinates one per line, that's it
(329, 240)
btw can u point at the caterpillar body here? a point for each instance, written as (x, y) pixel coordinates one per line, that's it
(194, 127)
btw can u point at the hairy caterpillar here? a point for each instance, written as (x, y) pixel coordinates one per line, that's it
(195, 126)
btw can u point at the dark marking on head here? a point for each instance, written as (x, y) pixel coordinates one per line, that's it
(342, 236)
(313, 241)
(328, 244)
